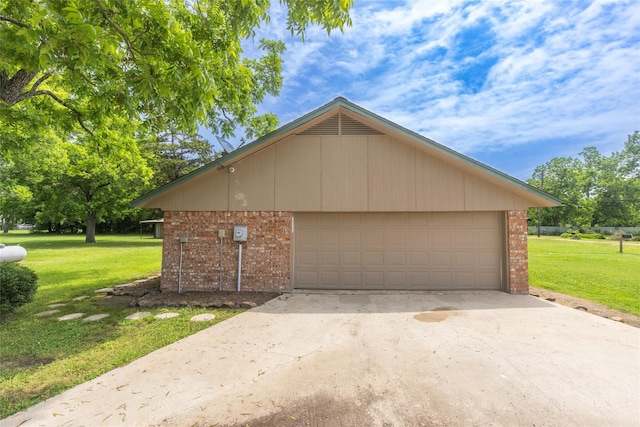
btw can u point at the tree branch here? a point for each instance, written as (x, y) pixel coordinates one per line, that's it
(62, 102)
(86, 79)
(14, 21)
(39, 81)
(124, 35)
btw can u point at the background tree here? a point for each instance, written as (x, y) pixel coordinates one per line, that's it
(597, 190)
(561, 178)
(77, 184)
(173, 154)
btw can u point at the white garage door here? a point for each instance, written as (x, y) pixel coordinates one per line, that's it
(408, 251)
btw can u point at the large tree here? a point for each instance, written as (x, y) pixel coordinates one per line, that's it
(597, 190)
(77, 183)
(163, 61)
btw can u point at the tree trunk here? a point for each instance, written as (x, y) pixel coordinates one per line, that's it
(91, 228)
(5, 226)
(12, 89)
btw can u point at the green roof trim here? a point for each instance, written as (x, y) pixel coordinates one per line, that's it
(343, 102)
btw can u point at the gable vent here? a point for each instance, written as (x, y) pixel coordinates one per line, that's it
(341, 124)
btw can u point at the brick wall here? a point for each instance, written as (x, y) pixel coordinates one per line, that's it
(266, 255)
(517, 252)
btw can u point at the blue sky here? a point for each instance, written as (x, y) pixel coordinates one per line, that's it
(511, 84)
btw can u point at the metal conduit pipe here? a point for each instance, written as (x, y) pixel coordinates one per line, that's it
(182, 240)
(239, 263)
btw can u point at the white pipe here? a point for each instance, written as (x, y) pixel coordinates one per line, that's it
(239, 263)
(180, 271)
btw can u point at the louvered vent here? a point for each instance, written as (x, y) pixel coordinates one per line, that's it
(340, 124)
(331, 126)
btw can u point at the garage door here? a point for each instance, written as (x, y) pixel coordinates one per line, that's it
(401, 251)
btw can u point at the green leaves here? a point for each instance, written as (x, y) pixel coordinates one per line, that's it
(172, 61)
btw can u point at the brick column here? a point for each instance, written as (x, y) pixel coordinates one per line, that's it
(517, 252)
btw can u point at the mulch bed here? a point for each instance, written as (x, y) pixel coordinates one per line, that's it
(147, 293)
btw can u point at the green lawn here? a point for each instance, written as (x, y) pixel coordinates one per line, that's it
(589, 269)
(41, 357)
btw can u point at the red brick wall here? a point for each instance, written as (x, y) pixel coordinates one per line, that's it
(517, 252)
(266, 255)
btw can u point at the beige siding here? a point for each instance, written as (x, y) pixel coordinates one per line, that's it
(298, 174)
(392, 175)
(344, 173)
(341, 173)
(439, 186)
(205, 193)
(252, 186)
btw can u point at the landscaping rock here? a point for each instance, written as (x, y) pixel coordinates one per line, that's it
(57, 305)
(139, 315)
(81, 297)
(203, 317)
(216, 299)
(46, 313)
(138, 288)
(95, 317)
(617, 319)
(166, 315)
(71, 316)
(248, 304)
(104, 291)
(146, 303)
(593, 307)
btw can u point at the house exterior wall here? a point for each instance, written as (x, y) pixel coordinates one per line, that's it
(517, 252)
(266, 255)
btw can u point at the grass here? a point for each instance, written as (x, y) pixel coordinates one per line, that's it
(593, 270)
(41, 356)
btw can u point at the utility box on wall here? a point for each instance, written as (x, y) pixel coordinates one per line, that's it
(240, 233)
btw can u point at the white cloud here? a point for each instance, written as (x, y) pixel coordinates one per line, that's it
(558, 70)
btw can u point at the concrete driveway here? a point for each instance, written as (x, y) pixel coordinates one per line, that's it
(375, 360)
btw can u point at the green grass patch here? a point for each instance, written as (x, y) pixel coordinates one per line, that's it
(593, 270)
(41, 356)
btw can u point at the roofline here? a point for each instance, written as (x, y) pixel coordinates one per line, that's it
(345, 103)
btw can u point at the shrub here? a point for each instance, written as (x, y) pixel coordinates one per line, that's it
(576, 235)
(17, 285)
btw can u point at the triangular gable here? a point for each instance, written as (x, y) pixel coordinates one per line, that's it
(343, 119)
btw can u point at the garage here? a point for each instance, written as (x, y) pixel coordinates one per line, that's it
(398, 251)
(344, 199)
